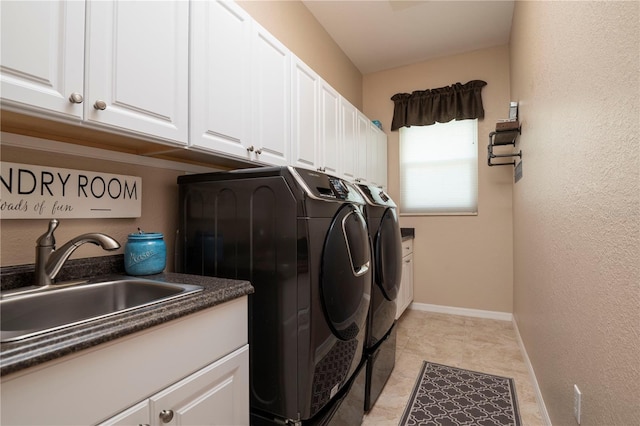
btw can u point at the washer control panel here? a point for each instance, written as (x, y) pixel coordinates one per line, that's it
(325, 187)
(340, 190)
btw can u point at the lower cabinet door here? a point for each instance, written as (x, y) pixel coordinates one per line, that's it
(136, 415)
(216, 395)
(405, 295)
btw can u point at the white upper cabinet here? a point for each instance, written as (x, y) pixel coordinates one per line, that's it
(201, 74)
(362, 145)
(377, 157)
(315, 120)
(305, 90)
(349, 140)
(382, 160)
(372, 155)
(220, 78)
(270, 98)
(137, 67)
(330, 130)
(42, 56)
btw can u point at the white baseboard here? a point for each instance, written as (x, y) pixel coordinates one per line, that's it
(541, 406)
(452, 310)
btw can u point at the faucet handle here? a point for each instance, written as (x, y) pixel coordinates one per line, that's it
(47, 239)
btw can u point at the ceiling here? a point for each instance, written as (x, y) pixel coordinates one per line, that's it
(384, 34)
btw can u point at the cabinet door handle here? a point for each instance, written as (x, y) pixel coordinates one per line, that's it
(76, 98)
(259, 151)
(166, 416)
(101, 105)
(250, 149)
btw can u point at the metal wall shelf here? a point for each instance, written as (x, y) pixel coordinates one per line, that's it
(503, 138)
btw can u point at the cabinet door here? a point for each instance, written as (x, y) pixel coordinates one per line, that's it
(136, 415)
(216, 395)
(382, 159)
(372, 155)
(329, 129)
(137, 67)
(42, 56)
(271, 98)
(361, 147)
(405, 294)
(377, 157)
(220, 78)
(409, 263)
(304, 116)
(349, 140)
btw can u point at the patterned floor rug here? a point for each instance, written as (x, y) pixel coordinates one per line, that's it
(452, 396)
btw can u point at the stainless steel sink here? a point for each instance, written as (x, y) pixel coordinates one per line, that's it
(42, 310)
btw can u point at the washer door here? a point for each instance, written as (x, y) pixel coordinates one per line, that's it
(345, 282)
(388, 255)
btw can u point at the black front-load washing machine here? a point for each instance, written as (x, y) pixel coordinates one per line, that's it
(300, 238)
(386, 240)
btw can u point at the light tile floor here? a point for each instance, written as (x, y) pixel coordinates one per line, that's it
(483, 345)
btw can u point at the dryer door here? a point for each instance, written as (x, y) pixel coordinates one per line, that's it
(345, 282)
(388, 252)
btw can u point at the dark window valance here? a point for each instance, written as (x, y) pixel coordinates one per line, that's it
(425, 107)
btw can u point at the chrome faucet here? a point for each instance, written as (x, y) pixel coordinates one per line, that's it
(49, 261)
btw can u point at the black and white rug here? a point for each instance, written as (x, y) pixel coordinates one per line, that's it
(452, 396)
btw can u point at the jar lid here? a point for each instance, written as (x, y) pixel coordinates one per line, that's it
(145, 236)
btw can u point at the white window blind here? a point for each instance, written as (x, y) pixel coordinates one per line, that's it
(439, 168)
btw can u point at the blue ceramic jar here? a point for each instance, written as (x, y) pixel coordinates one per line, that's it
(145, 253)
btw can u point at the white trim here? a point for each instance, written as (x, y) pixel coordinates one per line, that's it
(541, 406)
(29, 142)
(452, 310)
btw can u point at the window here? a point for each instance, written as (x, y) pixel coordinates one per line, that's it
(439, 168)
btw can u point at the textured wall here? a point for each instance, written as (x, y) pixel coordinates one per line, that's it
(460, 261)
(575, 70)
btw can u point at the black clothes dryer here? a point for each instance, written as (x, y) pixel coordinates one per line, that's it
(300, 238)
(386, 240)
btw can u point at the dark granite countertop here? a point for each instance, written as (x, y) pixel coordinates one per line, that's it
(407, 233)
(15, 356)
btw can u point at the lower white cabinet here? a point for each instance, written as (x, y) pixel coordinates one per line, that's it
(405, 295)
(196, 368)
(214, 395)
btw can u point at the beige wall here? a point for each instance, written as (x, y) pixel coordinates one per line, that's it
(293, 24)
(460, 261)
(575, 69)
(159, 209)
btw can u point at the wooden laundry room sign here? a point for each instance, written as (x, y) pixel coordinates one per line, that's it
(41, 192)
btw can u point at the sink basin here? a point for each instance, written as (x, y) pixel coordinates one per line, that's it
(28, 314)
